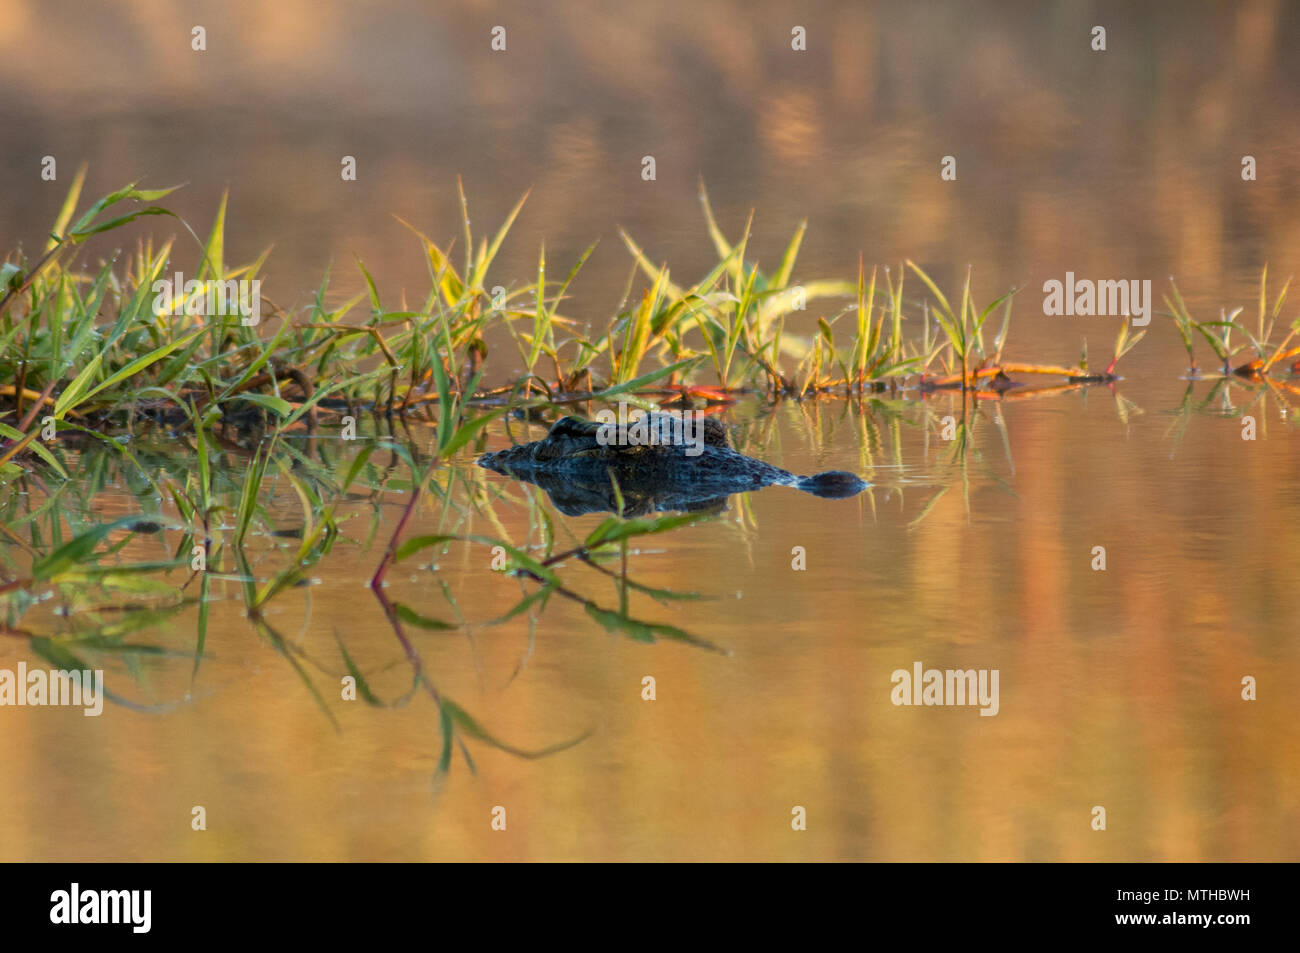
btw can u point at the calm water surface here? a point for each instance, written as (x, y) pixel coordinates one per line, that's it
(1118, 688)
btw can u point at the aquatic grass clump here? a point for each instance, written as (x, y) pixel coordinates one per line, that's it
(1218, 334)
(93, 352)
(158, 355)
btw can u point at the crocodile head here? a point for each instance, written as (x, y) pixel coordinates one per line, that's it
(571, 438)
(586, 466)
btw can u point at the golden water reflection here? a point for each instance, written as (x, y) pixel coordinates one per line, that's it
(1118, 688)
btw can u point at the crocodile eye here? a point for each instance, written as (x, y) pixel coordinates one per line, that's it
(570, 427)
(715, 433)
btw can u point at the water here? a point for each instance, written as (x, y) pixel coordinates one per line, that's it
(1119, 688)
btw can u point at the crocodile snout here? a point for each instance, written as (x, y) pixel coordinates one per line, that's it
(833, 484)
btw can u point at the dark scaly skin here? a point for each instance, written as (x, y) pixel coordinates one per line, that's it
(575, 468)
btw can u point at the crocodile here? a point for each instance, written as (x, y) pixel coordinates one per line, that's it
(585, 466)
